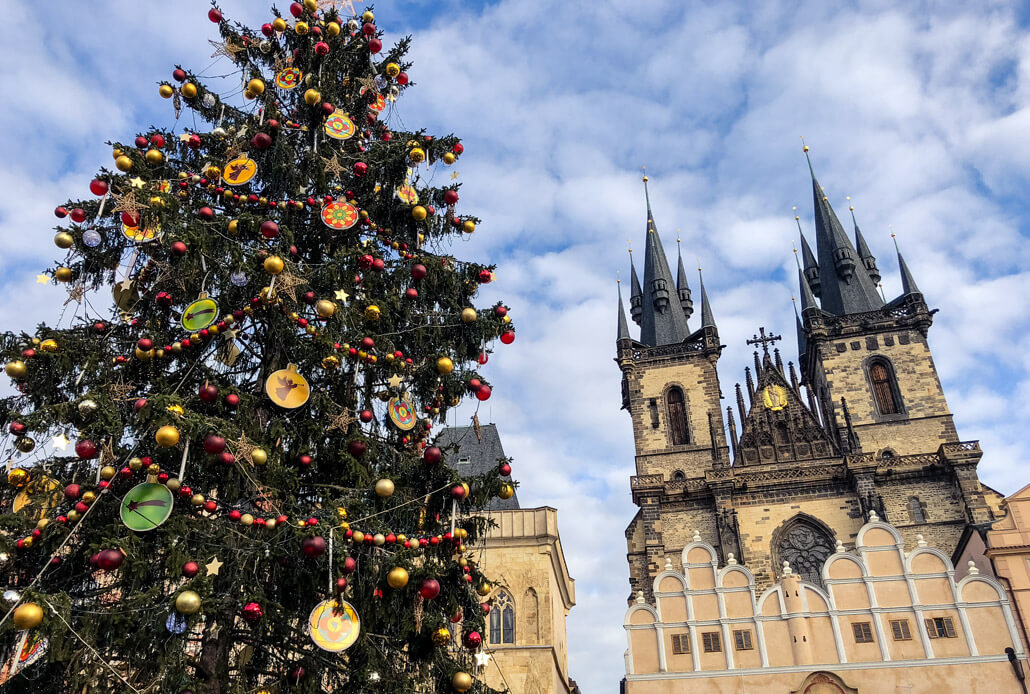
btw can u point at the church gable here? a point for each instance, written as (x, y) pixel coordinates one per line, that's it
(779, 426)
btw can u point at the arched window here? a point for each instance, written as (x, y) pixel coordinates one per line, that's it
(885, 387)
(678, 427)
(805, 546)
(916, 510)
(502, 619)
(678, 476)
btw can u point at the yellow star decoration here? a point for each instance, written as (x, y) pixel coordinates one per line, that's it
(333, 168)
(340, 295)
(213, 566)
(324, 5)
(341, 421)
(137, 182)
(369, 84)
(120, 391)
(128, 203)
(395, 380)
(185, 137)
(243, 449)
(75, 294)
(288, 285)
(227, 48)
(454, 174)
(60, 442)
(42, 279)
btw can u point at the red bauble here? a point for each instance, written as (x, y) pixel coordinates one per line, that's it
(208, 393)
(252, 612)
(139, 404)
(450, 197)
(484, 276)
(411, 293)
(179, 75)
(360, 169)
(357, 448)
(366, 416)
(349, 565)
(456, 617)
(190, 569)
(110, 559)
(206, 213)
(473, 640)
(141, 142)
(17, 428)
(341, 585)
(433, 455)
(232, 400)
(327, 108)
(267, 29)
(507, 337)
(296, 9)
(86, 449)
(235, 515)
(261, 141)
(72, 491)
(500, 311)
(483, 393)
(402, 78)
(483, 358)
(378, 265)
(269, 229)
(60, 212)
(313, 546)
(458, 491)
(226, 458)
(504, 469)
(475, 384)
(297, 674)
(418, 271)
(214, 444)
(306, 460)
(98, 187)
(429, 589)
(322, 48)
(130, 219)
(194, 142)
(145, 344)
(158, 140)
(215, 15)
(179, 248)
(374, 45)
(458, 148)
(78, 215)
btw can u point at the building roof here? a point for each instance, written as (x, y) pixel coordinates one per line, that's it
(476, 457)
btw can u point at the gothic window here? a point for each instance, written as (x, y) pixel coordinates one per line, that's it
(805, 546)
(678, 476)
(678, 428)
(502, 619)
(916, 510)
(885, 387)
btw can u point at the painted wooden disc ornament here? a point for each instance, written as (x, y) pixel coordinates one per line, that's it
(378, 105)
(334, 625)
(340, 215)
(239, 171)
(38, 498)
(406, 193)
(146, 506)
(339, 126)
(288, 78)
(200, 314)
(287, 388)
(34, 649)
(402, 414)
(137, 235)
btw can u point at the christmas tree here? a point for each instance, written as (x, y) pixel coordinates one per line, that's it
(227, 481)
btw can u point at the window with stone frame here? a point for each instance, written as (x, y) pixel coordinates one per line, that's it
(885, 387)
(712, 641)
(916, 510)
(502, 619)
(806, 547)
(681, 643)
(679, 428)
(863, 632)
(742, 639)
(900, 630)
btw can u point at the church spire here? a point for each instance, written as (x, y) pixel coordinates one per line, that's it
(807, 299)
(623, 333)
(908, 282)
(707, 319)
(635, 293)
(662, 323)
(864, 254)
(811, 264)
(682, 288)
(802, 340)
(842, 290)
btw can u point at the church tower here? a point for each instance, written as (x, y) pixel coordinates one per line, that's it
(859, 431)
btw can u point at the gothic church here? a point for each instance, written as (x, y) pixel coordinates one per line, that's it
(788, 467)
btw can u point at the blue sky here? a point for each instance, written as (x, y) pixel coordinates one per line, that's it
(918, 111)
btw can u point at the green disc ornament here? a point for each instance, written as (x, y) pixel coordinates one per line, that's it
(146, 506)
(200, 314)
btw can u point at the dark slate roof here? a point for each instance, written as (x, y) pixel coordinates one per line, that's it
(908, 282)
(668, 326)
(623, 333)
(806, 252)
(707, 319)
(481, 456)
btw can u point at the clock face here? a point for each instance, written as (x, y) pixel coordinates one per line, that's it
(146, 506)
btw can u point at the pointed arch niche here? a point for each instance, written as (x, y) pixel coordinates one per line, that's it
(805, 543)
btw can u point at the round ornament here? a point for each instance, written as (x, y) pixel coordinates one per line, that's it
(442, 636)
(287, 388)
(239, 171)
(402, 414)
(187, 602)
(28, 616)
(339, 126)
(288, 78)
(92, 238)
(146, 506)
(200, 314)
(175, 623)
(378, 105)
(137, 235)
(18, 477)
(397, 578)
(38, 498)
(340, 215)
(334, 625)
(406, 193)
(462, 681)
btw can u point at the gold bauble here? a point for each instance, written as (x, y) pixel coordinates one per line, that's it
(444, 365)
(89, 497)
(301, 28)
(197, 499)
(441, 636)
(325, 308)
(189, 90)
(469, 315)
(167, 436)
(332, 28)
(16, 369)
(63, 274)
(270, 523)
(18, 477)
(135, 464)
(213, 172)
(247, 519)
(25, 444)
(48, 345)
(397, 578)
(279, 24)
(166, 91)
(506, 319)
(484, 588)
(187, 602)
(312, 97)
(274, 265)
(372, 312)
(256, 86)
(461, 533)
(448, 158)
(42, 523)
(74, 515)
(123, 163)
(107, 472)
(64, 240)
(234, 226)
(384, 487)
(330, 362)
(144, 355)
(28, 616)
(154, 156)
(468, 226)
(393, 69)
(259, 456)
(419, 213)
(154, 468)
(173, 484)
(462, 682)
(367, 17)
(358, 537)
(341, 513)
(417, 155)
(507, 491)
